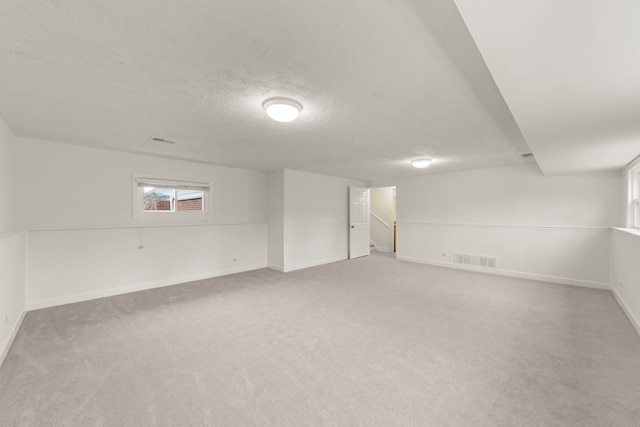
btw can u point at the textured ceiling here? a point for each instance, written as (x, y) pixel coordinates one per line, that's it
(381, 82)
(570, 72)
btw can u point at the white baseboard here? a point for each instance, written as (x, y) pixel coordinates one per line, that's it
(14, 331)
(276, 267)
(313, 264)
(381, 249)
(69, 299)
(632, 318)
(509, 273)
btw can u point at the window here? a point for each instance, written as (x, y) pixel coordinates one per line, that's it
(162, 198)
(634, 194)
(172, 199)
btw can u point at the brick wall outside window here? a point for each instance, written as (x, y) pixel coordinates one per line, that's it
(189, 205)
(158, 205)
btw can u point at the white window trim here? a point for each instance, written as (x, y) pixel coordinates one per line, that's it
(633, 185)
(140, 181)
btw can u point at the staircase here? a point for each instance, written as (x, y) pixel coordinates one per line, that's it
(382, 230)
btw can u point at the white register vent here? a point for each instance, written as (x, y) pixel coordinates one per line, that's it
(476, 260)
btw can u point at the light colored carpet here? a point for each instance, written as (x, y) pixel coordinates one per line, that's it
(372, 341)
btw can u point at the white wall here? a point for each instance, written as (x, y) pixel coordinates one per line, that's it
(75, 265)
(275, 219)
(316, 219)
(551, 228)
(85, 187)
(83, 242)
(12, 288)
(12, 249)
(383, 206)
(6, 177)
(625, 272)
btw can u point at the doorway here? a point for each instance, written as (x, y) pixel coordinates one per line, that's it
(383, 219)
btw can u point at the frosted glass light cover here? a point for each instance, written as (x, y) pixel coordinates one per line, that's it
(421, 163)
(282, 109)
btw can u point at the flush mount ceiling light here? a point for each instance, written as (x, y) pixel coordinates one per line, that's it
(282, 109)
(420, 163)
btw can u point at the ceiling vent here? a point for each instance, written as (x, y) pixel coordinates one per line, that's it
(526, 155)
(166, 141)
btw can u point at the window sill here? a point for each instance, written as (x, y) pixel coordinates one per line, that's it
(633, 231)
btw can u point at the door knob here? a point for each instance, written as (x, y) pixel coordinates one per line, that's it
(353, 226)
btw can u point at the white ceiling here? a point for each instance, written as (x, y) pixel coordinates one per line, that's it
(570, 72)
(382, 82)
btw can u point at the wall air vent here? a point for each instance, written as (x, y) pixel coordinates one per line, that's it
(166, 141)
(476, 260)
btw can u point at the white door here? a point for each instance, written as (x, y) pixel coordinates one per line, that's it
(358, 222)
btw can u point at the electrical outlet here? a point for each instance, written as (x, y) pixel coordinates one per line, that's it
(443, 254)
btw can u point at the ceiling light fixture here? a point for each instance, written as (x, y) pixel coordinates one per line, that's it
(421, 163)
(282, 109)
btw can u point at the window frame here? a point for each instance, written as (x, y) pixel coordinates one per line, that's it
(633, 183)
(140, 181)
